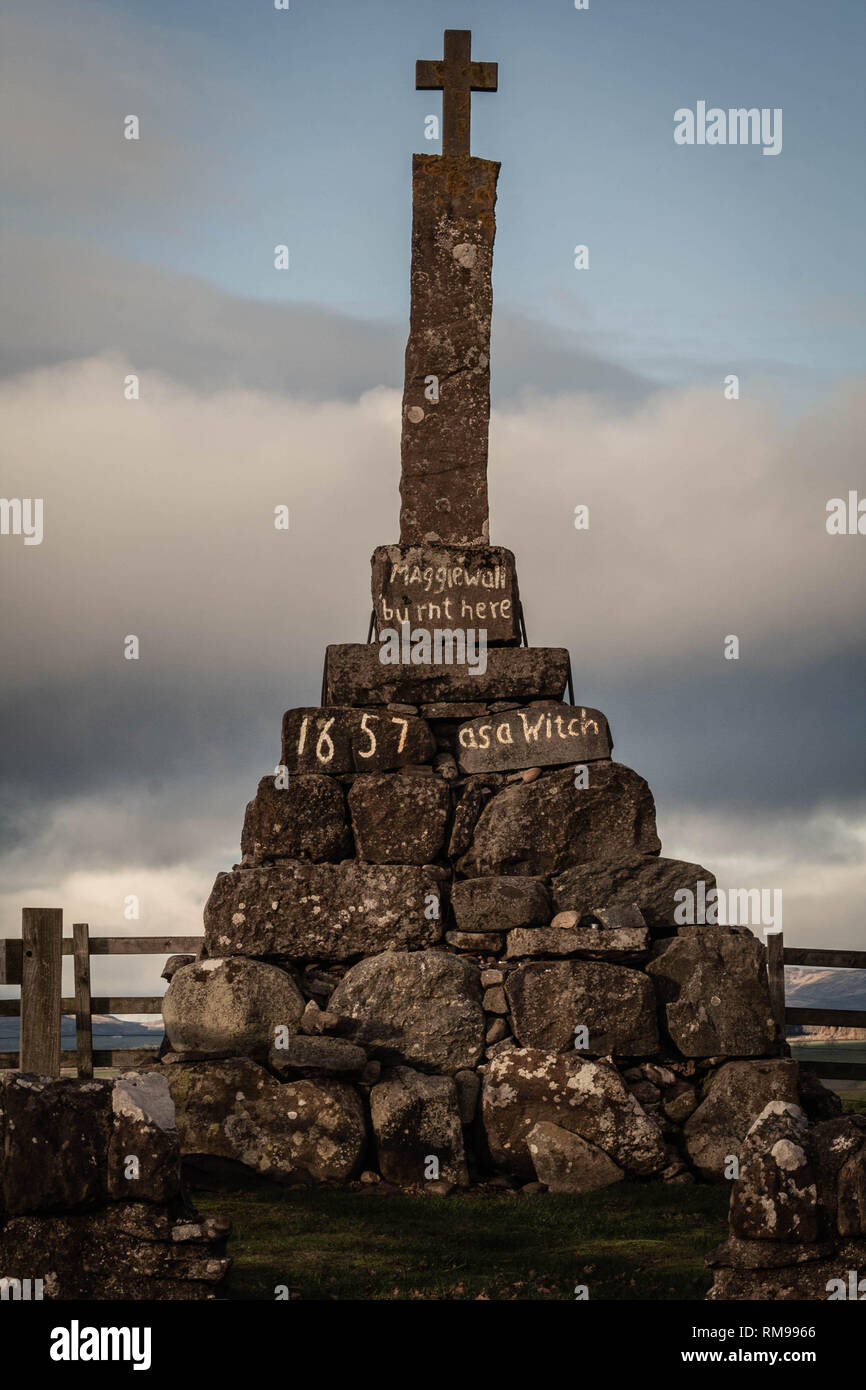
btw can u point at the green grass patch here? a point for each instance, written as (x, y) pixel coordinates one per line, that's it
(630, 1241)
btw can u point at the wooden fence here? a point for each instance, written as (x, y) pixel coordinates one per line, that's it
(34, 963)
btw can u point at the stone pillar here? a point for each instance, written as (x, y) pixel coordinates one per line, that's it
(443, 485)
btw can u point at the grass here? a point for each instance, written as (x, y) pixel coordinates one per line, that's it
(631, 1241)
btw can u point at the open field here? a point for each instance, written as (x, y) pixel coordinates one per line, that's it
(631, 1241)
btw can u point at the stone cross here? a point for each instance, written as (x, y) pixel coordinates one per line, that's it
(446, 397)
(457, 77)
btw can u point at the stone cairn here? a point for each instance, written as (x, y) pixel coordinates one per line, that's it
(91, 1201)
(450, 953)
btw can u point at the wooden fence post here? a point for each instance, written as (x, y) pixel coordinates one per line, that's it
(42, 938)
(776, 980)
(83, 1022)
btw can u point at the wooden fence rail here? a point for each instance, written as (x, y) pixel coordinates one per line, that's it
(778, 956)
(35, 963)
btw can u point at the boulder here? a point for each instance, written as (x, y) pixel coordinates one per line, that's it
(733, 1099)
(566, 1163)
(306, 819)
(326, 912)
(144, 1148)
(307, 1131)
(399, 820)
(838, 1149)
(305, 1056)
(549, 999)
(776, 1196)
(335, 739)
(646, 881)
(415, 1007)
(415, 1118)
(355, 675)
(543, 827)
(712, 986)
(230, 1005)
(499, 904)
(525, 1086)
(54, 1137)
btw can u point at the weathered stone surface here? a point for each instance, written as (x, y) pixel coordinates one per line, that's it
(443, 484)
(229, 1005)
(534, 737)
(765, 1254)
(549, 999)
(447, 587)
(468, 1085)
(499, 904)
(304, 820)
(144, 1130)
(469, 807)
(626, 944)
(453, 713)
(489, 942)
(649, 882)
(355, 676)
(297, 1130)
(124, 1252)
(543, 827)
(838, 1150)
(775, 1196)
(712, 986)
(415, 1007)
(565, 1162)
(525, 1086)
(304, 1056)
(735, 1097)
(54, 1138)
(415, 1118)
(824, 1279)
(334, 738)
(295, 910)
(399, 820)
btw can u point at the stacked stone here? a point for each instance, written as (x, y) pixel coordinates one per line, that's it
(452, 937)
(91, 1202)
(798, 1211)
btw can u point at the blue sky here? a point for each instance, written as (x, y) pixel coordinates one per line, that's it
(298, 128)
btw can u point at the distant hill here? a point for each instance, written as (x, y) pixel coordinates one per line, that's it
(809, 988)
(104, 1026)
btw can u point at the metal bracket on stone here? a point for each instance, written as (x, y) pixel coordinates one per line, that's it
(522, 622)
(569, 682)
(371, 629)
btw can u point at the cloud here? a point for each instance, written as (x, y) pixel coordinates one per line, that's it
(64, 301)
(706, 518)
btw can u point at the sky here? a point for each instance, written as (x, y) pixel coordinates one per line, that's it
(261, 127)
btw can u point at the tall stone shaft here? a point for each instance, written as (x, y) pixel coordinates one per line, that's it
(446, 397)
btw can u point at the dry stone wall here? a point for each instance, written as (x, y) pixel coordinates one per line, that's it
(91, 1200)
